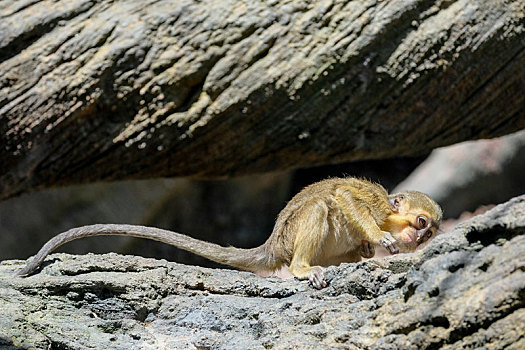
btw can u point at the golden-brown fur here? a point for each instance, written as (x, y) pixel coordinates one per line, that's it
(329, 222)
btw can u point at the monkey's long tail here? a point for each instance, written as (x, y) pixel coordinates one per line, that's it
(245, 259)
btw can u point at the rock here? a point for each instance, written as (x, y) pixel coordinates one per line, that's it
(465, 289)
(97, 91)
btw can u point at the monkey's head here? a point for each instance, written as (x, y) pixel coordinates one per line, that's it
(415, 218)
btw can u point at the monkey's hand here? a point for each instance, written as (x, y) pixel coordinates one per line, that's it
(316, 277)
(367, 250)
(389, 243)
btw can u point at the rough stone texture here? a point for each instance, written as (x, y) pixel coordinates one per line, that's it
(103, 90)
(466, 289)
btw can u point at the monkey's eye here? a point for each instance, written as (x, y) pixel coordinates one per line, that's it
(422, 221)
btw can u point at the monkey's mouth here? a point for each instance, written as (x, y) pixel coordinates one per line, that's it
(410, 240)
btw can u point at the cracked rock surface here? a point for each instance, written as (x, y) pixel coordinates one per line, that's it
(105, 90)
(466, 289)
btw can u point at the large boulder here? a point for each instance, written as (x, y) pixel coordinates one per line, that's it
(466, 289)
(95, 90)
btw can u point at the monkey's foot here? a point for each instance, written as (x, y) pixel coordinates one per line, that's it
(316, 277)
(389, 243)
(367, 249)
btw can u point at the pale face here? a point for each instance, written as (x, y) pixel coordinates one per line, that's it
(409, 226)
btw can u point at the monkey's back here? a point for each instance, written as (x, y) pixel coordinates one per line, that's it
(323, 193)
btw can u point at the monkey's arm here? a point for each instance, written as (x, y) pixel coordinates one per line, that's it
(360, 217)
(311, 231)
(244, 259)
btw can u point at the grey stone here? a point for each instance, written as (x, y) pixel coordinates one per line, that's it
(466, 289)
(93, 91)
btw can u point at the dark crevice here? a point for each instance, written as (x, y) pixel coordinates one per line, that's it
(89, 269)
(493, 235)
(191, 97)
(202, 288)
(401, 283)
(406, 330)
(485, 266)
(410, 290)
(111, 326)
(142, 313)
(437, 321)
(100, 290)
(55, 345)
(441, 6)
(263, 53)
(456, 267)
(128, 269)
(434, 293)
(202, 347)
(278, 294)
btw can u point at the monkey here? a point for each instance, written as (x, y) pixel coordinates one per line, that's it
(327, 223)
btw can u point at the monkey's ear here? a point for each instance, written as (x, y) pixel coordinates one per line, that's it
(395, 202)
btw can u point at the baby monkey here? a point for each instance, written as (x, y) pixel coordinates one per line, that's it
(329, 222)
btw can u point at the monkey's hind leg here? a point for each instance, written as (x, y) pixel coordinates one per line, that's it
(312, 229)
(315, 274)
